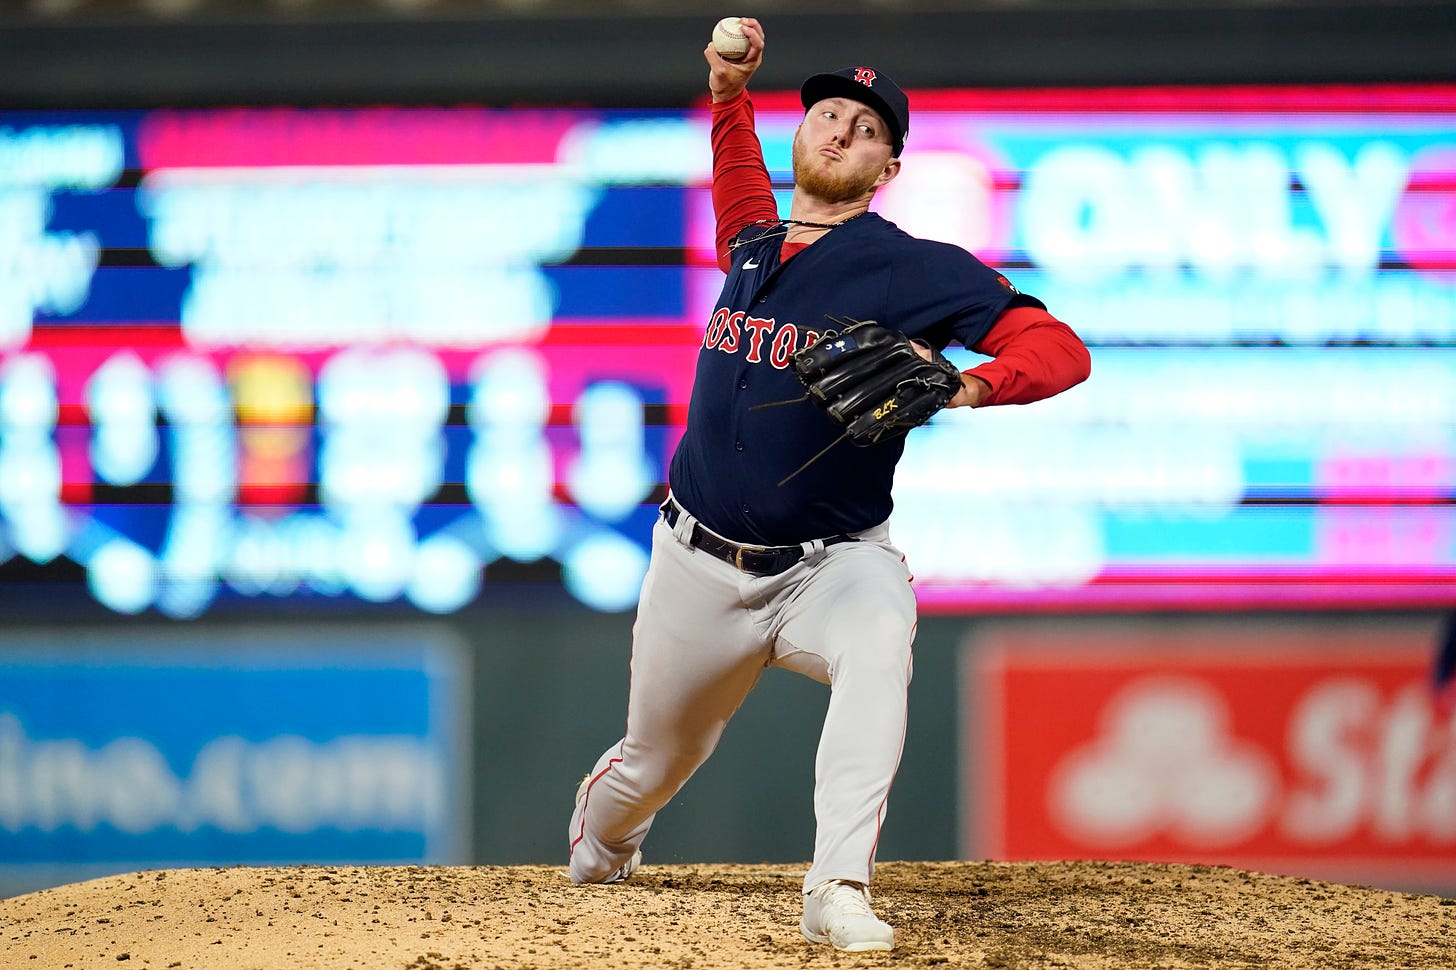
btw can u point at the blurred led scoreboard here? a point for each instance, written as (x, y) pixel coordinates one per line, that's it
(406, 355)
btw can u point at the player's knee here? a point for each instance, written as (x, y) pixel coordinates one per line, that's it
(883, 629)
(657, 778)
(888, 668)
(876, 647)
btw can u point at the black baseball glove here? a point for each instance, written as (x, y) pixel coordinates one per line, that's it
(871, 381)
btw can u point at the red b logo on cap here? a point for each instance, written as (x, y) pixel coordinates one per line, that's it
(864, 75)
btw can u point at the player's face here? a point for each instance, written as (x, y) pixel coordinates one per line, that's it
(842, 151)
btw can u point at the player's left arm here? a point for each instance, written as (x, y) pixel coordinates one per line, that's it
(1035, 356)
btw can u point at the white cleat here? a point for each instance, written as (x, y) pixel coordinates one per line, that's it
(625, 870)
(839, 913)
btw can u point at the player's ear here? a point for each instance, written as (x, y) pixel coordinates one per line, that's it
(892, 168)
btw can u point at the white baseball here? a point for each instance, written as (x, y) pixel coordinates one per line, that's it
(729, 40)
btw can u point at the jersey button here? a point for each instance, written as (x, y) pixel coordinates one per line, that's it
(763, 299)
(738, 445)
(745, 510)
(743, 383)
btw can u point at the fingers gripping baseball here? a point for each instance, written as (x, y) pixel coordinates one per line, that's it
(728, 77)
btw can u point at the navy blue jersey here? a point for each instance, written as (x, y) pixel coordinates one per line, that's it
(727, 467)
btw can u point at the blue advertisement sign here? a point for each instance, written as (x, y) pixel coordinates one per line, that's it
(275, 745)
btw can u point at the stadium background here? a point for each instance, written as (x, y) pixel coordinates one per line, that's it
(1249, 582)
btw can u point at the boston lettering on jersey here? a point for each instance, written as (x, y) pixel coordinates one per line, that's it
(735, 450)
(734, 331)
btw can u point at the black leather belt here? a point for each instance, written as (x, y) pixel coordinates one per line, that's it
(755, 560)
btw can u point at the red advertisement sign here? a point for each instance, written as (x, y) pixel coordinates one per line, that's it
(1310, 749)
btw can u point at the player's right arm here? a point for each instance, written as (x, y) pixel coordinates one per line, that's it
(742, 191)
(728, 79)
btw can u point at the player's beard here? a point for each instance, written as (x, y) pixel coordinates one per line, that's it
(830, 187)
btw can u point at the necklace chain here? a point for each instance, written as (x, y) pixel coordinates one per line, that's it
(805, 222)
(786, 225)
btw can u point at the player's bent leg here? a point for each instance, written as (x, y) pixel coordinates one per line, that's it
(618, 802)
(859, 748)
(855, 632)
(593, 860)
(695, 656)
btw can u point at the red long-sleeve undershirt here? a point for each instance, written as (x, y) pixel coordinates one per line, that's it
(1035, 355)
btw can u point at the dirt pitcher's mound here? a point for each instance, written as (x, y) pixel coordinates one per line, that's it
(1043, 915)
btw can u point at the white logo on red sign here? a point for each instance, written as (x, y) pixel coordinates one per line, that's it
(1165, 762)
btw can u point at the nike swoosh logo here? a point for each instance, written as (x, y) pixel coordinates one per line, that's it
(751, 264)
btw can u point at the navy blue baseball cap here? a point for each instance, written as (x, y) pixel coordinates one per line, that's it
(867, 86)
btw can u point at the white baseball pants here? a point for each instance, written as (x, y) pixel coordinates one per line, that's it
(704, 633)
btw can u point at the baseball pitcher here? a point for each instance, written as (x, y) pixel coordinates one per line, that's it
(772, 548)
